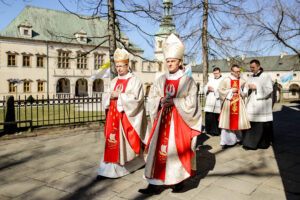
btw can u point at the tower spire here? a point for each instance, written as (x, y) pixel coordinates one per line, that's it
(167, 26)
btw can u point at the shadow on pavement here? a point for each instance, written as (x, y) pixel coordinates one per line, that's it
(286, 148)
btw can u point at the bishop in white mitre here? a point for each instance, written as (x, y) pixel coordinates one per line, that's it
(126, 122)
(176, 117)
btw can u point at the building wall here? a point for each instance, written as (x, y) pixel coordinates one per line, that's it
(72, 74)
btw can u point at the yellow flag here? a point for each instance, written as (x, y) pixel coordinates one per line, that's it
(102, 72)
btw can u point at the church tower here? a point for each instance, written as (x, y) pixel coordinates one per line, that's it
(165, 29)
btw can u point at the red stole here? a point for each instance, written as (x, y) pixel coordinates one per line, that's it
(182, 132)
(112, 126)
(170, 90)
(235, 106)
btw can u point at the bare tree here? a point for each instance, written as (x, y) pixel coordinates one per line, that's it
(209, 28)
(276, 23)
(112, 36)
(204, 43)
(119, 19)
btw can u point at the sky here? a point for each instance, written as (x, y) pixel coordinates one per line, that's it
(14, 7)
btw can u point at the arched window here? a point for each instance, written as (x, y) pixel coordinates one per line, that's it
(294, 89)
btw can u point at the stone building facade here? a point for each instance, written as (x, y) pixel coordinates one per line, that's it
(48, 52)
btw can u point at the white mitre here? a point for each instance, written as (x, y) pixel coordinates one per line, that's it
(121, 56)
(174, 48)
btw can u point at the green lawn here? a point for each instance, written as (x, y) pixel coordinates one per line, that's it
(53, 115)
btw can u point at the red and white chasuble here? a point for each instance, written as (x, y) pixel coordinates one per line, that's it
(170, 131)
(112, 128)
(233, 114)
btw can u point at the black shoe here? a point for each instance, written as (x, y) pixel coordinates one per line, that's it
(224, 146)
(178, 187)
(248, 148)
(151, 189)
(99, 178)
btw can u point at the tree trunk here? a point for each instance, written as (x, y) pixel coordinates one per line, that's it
(112, 36)
(204, 43)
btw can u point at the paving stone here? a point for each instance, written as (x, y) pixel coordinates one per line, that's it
(94, 190)
(92, 171)
(274, 182)
(236, 185)
(132, 191)
(209, 179)
(65, 164)
(21, 186)
(120, 185)
(12, 174)
(75, 166)
(44, 193)
(48, 175)
(189, 194)
(267, 193)
(136, 176)
(5, 198)
(214, 192)
(44, 162)
(71, 183)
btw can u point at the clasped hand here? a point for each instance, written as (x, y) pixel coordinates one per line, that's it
(211, 89)
(251, 86)
(167, 102)
(114, 95)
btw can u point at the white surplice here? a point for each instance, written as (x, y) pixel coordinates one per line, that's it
(212, 103)
(259, 103)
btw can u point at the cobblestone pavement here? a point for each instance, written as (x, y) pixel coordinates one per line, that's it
(62, 164)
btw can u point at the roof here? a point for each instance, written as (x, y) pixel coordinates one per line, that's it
(167, 1)
(166, 29)
(268, 63)
(59, 26)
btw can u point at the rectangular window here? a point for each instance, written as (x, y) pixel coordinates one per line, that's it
(133, 63)
(63, 59)
(11, 60)
(40, 61)
(26, 86)
(11, 87)
(159, 67)
(99, 60)
(81, 61)
(26, 32)
(26, 61)
(40, 86)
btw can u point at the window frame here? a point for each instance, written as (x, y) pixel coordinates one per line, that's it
(26, 62)
(63, 59)
(25, 87)
(38, 62)
(82, 60)
(99, 60)
(13, 88)
(40, 86)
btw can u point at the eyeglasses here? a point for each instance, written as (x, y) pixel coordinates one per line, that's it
(125, 65)
(236, 71)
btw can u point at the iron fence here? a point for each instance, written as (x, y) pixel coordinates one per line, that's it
(35, 112)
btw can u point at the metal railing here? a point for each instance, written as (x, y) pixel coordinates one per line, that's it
(35, 112)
